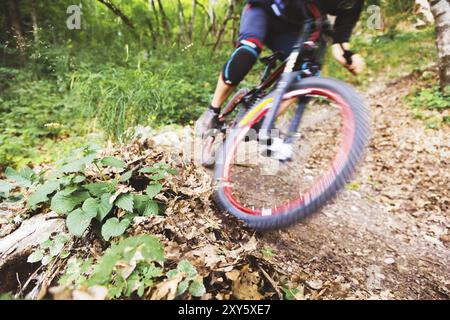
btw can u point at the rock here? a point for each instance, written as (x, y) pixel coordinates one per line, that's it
(315, 284)
(168, 138)
(389, 260)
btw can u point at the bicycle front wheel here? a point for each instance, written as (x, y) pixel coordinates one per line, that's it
(267, 193)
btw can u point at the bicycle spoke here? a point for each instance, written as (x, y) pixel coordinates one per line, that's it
(262, 182)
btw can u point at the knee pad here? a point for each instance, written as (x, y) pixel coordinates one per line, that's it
(240, 62)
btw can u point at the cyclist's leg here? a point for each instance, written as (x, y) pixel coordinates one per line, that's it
(282, 37)
(252, 34)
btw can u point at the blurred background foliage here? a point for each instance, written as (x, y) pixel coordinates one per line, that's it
(149, 62)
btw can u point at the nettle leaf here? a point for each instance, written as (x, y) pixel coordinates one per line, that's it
(148, 170)
(41, 193)
(65, 180)
(151, 248)
(153, 189)
(126, 176)
(140, 201)
(22, 178)
(159, 167)
(114, 228)
(98, 188)
(182, 287)
(90, 206)
(69, 190)
(35, 256)
(5, 187)
(151, 208)
(197, 288)
(133, 284)
(142, 285)
(27, 173)
(104, 206)
(63, 204)
(153, 271)
(113, 162)
(46, 244)
(56, 248)
(125, 202)
(187, 268)
(171, 273)
(46, 260)
(62, 238)
(79, 179)
(158, 176)
(78, 221)
(74, 166)
(144, 205)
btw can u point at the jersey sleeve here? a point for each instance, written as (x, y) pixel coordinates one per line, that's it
(345, 23)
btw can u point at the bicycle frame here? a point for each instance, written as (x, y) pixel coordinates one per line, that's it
(287, 73)
(289, 76)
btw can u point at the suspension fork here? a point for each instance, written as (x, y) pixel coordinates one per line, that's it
(295, 122)
(288, 77)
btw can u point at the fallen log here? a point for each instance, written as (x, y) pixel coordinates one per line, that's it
(17, 246)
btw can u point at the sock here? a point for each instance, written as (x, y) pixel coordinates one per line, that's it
(215, 110)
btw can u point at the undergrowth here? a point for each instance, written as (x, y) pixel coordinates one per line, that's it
(59, 96)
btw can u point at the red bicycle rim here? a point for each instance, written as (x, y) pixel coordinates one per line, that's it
(334, 168)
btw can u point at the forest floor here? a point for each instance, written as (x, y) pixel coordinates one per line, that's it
(388, 237)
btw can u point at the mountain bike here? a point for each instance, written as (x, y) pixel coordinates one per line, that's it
(283, 149)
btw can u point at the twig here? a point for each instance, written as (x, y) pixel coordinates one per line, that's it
(272, 282)
(29, 279)
(20, 285)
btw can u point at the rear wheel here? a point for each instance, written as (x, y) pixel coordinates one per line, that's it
(267, 193)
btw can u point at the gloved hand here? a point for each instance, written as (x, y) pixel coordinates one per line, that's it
(353, 62)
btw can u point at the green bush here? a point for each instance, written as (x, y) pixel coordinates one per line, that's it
(151, 91)
(431, 98)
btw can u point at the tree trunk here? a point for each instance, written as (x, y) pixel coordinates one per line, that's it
(164, 19)
(150, 26)
(34, 20)
(228, 17)
(155, 12)
(181, 21)
(441, 13)
(212, 15)
(16, 26)
(192, 21)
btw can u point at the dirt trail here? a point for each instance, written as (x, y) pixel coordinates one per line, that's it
(385, 237)
(389, 236)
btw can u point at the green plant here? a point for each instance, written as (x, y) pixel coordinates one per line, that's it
(131, 266)
(295, 293)
(430, 105)
(126, 267)
(431, 98)
(50, 249)
(189, 279)
(6, 296)
(107, 196)
(353, 186)
(268, 252)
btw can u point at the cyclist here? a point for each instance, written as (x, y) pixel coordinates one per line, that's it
(276, 23)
